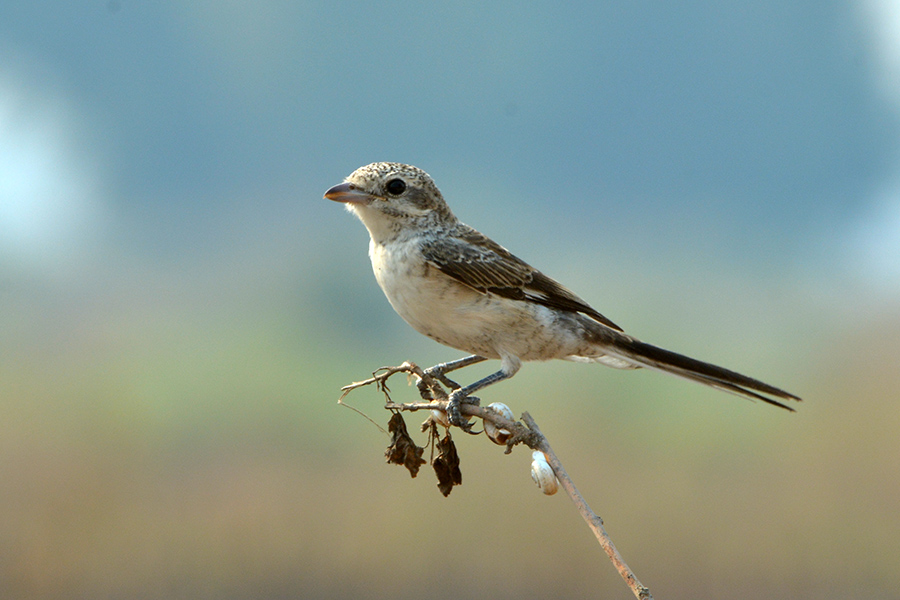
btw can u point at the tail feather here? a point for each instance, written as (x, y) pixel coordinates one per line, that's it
(653, 357)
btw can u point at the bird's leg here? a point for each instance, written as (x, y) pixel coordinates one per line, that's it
(460, 395)
(438, 371)
(509, 366)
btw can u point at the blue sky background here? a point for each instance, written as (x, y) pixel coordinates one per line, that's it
(179, 305)
(771, 128)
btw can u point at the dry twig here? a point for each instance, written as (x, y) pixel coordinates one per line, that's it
(435, 398)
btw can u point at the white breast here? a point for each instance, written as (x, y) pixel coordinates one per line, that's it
(433, 303)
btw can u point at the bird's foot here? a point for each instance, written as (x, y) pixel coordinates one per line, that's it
(437, 372)
(454, 414)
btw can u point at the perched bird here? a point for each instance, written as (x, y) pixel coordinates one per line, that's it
(464, 290)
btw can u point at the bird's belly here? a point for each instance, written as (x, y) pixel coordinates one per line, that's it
(441, 308)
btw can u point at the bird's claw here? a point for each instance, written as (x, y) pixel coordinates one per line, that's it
(454, 414)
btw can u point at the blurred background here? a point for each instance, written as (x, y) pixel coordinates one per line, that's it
(179, 306)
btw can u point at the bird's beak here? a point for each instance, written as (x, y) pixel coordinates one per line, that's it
(347, 192)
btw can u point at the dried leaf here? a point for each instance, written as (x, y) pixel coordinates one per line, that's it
(403, 451)
(446, 466)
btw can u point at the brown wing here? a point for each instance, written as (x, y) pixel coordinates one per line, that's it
(484, 265)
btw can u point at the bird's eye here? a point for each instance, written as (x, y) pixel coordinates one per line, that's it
(395, 187)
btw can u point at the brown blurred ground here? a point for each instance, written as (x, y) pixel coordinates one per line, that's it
(193, 449)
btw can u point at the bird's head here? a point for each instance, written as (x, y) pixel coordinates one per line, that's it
(392, 197)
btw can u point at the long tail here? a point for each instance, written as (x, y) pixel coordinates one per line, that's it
(653, 357)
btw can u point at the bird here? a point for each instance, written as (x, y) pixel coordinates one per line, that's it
(464, 290)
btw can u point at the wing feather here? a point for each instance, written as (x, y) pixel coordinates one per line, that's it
(484, 265)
